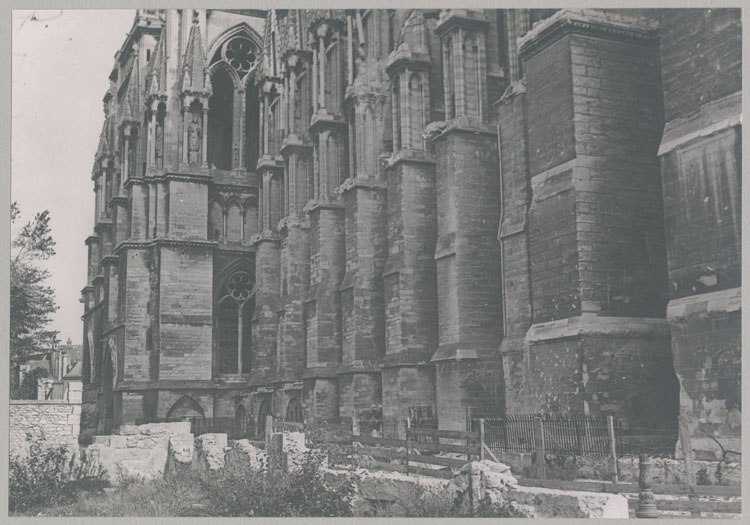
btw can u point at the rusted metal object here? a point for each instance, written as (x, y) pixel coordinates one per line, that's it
(646, 505)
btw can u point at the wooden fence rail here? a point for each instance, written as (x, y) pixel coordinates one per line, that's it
(692, 505)
(420, 453)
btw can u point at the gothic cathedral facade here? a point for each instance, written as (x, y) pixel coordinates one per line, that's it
(423, 215)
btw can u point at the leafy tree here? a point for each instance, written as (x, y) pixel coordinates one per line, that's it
(32, 301)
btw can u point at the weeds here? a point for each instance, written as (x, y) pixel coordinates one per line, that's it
(49, 476)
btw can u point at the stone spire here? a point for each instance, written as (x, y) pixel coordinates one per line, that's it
(131, 107)
(156, 80)
(195, 78)
(103, 149)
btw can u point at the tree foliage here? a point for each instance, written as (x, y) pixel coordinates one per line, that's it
(32, 300)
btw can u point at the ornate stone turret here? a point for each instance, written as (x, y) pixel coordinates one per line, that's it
(195, 91)
(156, 100)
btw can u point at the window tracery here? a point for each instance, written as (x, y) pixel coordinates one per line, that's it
(233, 334)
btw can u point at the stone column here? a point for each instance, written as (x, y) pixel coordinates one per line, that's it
(185, 145)
(322, 56)
(204, 138)
(152, 139)
(125, 159)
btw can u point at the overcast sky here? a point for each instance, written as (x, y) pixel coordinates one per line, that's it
(60, 66)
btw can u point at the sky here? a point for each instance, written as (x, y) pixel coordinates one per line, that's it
(60, 67)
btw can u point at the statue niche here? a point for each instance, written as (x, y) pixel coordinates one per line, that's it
(159, 141)
(195, 137)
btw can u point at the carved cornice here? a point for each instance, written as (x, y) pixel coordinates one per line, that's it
(450, 19)
(197, 178)
(588, 22)
(226, 248)
(125, 245)
(91, 239)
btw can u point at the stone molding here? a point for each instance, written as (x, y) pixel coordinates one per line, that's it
(415, 156)
(709, 120)
(453, 352)
(719, 302)
(587, 325)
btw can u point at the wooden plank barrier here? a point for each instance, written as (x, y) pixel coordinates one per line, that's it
(693, 505)
(632, 488)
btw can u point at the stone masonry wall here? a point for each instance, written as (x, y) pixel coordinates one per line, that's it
(702, 178)
(56, 422)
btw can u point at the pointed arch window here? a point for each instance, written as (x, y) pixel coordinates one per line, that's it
(234, 308)
(220, 120)
(233, 120)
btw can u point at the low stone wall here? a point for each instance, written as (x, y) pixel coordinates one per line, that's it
(49, 422)
(665, 471)
(142, 451)
(476, 483)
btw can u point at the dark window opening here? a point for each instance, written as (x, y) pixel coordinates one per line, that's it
(220, 118)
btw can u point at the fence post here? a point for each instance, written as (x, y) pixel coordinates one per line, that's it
(646, 507)
(408, 426)
(612, 446)
(687, 451)
(481, 439)
(539, 447)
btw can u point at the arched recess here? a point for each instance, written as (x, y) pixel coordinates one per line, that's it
(416, 111)
(240, 421)
(184, 407)
(471, 68)
(221, 119)
(332, 156)
(216, 220)
(234, 221)
(263, 412)
(250, 218)
(294, 411)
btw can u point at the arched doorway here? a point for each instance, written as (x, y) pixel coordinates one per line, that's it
(263, 412)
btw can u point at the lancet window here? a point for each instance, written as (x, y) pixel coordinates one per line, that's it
(233, 119)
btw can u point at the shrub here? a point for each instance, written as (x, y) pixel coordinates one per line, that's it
(50, 476)
(290, 494)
